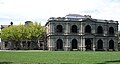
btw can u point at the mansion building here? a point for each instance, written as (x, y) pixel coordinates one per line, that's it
(77, 32)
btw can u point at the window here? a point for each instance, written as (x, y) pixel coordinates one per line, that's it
(111, 30)
(87, 29)
(74, 44)
(111, 44)
(59, 29)
(100, 44)
(100, 30)
(74, 29)
(59, 44)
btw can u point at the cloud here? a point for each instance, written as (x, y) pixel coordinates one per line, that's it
(41, 10)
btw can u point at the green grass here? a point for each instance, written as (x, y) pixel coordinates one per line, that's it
(70, 57)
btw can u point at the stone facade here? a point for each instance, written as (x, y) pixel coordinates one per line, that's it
(23, 45)
(78, 32)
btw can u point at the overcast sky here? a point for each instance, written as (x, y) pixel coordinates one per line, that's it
(20, 11)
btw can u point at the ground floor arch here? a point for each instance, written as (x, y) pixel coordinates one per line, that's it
(88, 44)
(59, 44)
(74, 44)
(99, 44)
(111, 44)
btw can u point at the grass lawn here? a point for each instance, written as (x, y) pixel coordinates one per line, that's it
(60, 57)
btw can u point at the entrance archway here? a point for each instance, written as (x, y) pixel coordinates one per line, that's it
(74, 44)
(99, 44)
(111, 44)
(59, 44)
(88, 44)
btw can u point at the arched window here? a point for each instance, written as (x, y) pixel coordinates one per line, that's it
(74, 29)
(111, 30)
(100, 44)
(59, 44)
(100, 30)
(88, 29)
(74, 44)
(59, 29)
(111, 44)
(88, 44)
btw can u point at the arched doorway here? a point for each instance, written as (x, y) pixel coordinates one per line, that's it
(99, 44)
(59, 29)
(88, 29)
(111, 44)
(100, 30)
(74, 29)
(111, 30)
(88, 44)
(74, 44)
(59, 44)
(6, 44)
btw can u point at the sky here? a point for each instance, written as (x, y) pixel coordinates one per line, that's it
(19, 11)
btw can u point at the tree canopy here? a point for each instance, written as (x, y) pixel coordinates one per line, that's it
(34, 31)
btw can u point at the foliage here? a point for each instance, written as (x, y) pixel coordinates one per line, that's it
(58, 57)
(33, 31)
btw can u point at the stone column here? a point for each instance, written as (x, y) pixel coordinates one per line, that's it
(93, 28)
(105, 30)
(50, 28)
(82, 28)
(94, 46)
(105, 44)
(67, 29)
(21, 45)
(3, 45)
(66, 45)
(79, 29)
(83, 44)
(79, 44)
(51, 45)
(11, 45)
(116, 45)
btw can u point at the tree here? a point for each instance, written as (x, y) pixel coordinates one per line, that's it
(34, 31)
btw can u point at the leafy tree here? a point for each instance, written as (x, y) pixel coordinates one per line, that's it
(34, 31)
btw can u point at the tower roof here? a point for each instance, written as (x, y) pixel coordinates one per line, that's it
(74, 16)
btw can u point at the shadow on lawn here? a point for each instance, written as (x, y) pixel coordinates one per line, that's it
(6, 62)
(107, 62)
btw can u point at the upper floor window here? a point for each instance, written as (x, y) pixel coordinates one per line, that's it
(111, 30)
(59, 29)
(74, 29)
(100, 30)
(88, 29)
